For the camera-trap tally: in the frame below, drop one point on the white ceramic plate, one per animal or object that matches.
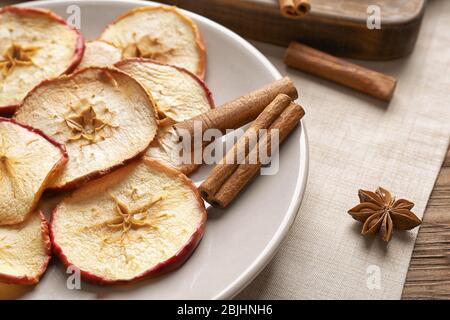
(240, 240)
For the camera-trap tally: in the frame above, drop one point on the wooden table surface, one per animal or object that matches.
(429, 272)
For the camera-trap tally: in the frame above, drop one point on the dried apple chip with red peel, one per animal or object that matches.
(167, 149)
(160, 33)
(99, 54)
(139, 221)
(25, 250)
(28, 161)
(35, 45)
(103, 116)
(179, 95)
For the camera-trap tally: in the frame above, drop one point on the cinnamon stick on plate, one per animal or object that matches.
(319, 63)
(230, 162)
(239, 112)
(229, 177)
(294, 8)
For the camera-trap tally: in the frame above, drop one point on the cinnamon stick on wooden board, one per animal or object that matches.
(294, 8)
(239, 112)
(227, 179)
(321, 64)
(229, 163)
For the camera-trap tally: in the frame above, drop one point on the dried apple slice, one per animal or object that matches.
(179, 94)
(104, 117)
(99, 54)
(167, 149)
(28, 160)
(159, 33)
(139, 221)
(25, 250)
(35, 44)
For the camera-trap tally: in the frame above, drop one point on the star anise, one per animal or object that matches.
(380, 212)
(16, 55)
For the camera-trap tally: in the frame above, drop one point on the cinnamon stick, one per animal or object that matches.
(239, 112)
(294, 8)
(321, 64)
(225, 182)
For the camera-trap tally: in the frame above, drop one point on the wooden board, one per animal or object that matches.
(335, 26)
(429, 272)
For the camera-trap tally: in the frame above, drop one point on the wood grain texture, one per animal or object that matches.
(338, 27)
(8, 2)
(329, 67)
(429, 272)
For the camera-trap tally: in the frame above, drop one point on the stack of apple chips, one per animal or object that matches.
(103, 131)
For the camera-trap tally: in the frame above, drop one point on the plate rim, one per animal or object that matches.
(271, 248)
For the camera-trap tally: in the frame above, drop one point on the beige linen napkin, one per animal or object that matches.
(358, 142)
